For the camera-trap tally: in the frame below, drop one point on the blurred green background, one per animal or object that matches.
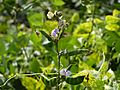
(92, 24)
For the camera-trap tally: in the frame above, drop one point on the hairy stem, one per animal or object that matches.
(58, 58)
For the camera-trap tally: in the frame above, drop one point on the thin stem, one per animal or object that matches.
(30, 74)
(7, 81)
(102, 62)
(58, 57)
(22, 74)
(25, 53)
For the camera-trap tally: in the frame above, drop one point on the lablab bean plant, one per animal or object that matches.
(63, 74)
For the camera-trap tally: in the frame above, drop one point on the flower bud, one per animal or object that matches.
(50, 15)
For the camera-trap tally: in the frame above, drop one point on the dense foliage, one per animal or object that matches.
(59, 45)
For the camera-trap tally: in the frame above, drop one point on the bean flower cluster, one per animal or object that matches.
(55, 34)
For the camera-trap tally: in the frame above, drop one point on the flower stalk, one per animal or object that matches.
(56, 34)
(58, 58)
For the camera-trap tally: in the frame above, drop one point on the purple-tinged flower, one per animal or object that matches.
(55, 32)
(65, 72)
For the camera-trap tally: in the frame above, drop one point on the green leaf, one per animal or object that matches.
(2, 69)
(98, 21)
(116, 12)
(35, 19)
(2, 47)
(34, 66)
(47, 69)
(34, 38)
(46, 35)
(12, 69)
(93, 59)
(22, 40)
(3, 28)
(75, 80)
(112, 27)
(74, 68)
(64, 61)
(50, 25)
(13, 48)
(117, 46)
(111, 19)
(68, 42)
(75, 17)
(83, 28)
(58, 2)
(32, 84)
(111, 38)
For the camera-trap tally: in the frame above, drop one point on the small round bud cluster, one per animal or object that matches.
(57, 33)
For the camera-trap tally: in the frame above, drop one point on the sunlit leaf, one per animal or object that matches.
(48, 68)
(112, 27)
(75, 17)
(83, 28)
(58, 2)
(50, 25)
(35, 19)
(34, 38)
(116, 13)
(32, 84)
(111, 19)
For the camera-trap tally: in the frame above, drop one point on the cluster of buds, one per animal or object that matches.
(61, 24)
(56, 15)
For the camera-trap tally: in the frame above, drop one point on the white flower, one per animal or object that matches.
(50, 15)
(65, 72)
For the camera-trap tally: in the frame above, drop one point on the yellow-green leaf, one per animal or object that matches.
(111, 19)
(83, 28)
(32, 84)
(58, 2)
(112, 27)
(116, 12)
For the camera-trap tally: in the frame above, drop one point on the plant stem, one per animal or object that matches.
(25, 53)
(58, 58)
(7, 81)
